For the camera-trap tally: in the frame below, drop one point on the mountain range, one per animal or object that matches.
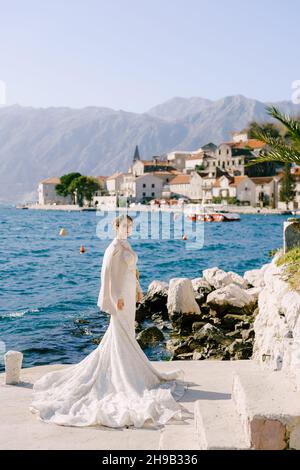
(36, 143)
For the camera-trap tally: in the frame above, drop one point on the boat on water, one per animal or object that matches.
(215, 217)
(209, 214)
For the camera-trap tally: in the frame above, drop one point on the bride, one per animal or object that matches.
(115, 385)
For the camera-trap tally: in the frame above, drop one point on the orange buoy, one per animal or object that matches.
(82, 249)
(63, 232)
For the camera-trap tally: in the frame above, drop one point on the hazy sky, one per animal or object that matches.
(134, 54)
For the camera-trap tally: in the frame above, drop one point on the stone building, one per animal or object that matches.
(266, 191)
(47, 193)
(240, 188)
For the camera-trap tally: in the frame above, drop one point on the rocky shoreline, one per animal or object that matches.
(211, 317)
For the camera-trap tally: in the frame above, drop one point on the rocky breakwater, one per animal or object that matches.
(209, 317)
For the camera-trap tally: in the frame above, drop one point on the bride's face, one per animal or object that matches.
(125, 228)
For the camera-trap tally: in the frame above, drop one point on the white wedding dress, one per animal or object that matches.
(116, 385)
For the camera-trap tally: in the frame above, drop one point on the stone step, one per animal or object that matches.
(269, 408)
(179, 437)
(218, 426)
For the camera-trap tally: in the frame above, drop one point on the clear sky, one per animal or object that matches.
(134, 54)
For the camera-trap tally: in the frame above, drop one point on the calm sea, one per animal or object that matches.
(46, 285)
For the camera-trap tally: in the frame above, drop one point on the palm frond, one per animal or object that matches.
(279, 148)
(284, 155)
(291, 124)
(268, 139)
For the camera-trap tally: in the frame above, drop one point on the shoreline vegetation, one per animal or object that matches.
(291, 265)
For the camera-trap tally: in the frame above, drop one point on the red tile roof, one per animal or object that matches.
(262, 179)
(253, 144)
(237, 180)
(114, 176)
(181, 179)
(51, 180)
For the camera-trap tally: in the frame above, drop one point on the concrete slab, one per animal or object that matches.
(219, 426)
(269, 406)
(20, 429)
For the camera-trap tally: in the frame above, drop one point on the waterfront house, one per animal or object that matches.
(234, 188)
(195, 187)
(146, 187)
(266, 191)
(47, 193)
(180, 185)
(114, 182)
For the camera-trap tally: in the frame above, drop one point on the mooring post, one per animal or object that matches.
(291, 234)
(13, 364)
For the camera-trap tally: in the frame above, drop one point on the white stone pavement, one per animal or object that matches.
(230, 404)
(20, 429)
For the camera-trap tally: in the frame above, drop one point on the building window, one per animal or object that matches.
(227, 151)
(144, 185)
(167, 180)
(144, 194)
(152, 194)
(153, 185)
(220, 152)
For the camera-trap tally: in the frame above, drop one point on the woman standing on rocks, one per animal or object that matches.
(116, 385)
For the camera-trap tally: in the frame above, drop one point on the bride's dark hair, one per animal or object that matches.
(120, 218)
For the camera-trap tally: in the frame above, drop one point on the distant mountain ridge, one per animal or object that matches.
(39, 142)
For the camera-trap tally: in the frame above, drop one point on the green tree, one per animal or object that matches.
(84, 187)
(287, 187)
(63, 188)
(268, 127)
(283, 148)
(199, 167)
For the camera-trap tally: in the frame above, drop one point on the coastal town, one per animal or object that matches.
(212, 174)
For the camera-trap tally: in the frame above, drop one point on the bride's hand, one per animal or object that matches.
(120, 304)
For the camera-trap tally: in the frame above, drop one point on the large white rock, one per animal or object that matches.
(200, 284)
(181, 296)
(277, 325)
(218, 278)
(231, 295)
(13, 363)
(157, 287)
(255, 277)
(254, 292)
